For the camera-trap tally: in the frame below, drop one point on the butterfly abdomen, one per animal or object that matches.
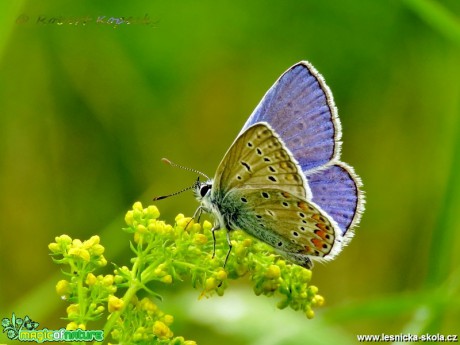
(237, 210)
(230, 210)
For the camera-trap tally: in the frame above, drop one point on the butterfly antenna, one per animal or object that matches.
(167, 161)
(175, 193)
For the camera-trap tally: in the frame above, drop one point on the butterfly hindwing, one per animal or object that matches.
(259, 159)
(336, 189)
(295, 227)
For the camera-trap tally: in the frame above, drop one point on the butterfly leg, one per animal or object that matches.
(199, 212)
(229, 247)
(215, 228)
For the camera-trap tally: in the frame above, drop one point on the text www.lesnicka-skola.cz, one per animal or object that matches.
(383, 338)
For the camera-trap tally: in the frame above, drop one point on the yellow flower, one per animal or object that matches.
(221, 274)
(196, 227)
(71, 326)
(147, 305)
(185, 222)
(167, 279)
(318, 300)
(179, 217)
(312, 290)
(54, 247)
(129, 217)
(73, 310)
(247, 242)
(138, 206)
(239, 249)
(273, 272)
(137, 213)
(80, 253)
(114, 303)
(159, 272)
(153, 211)
(305, 275)
(161, 330)
(210, 284)
(91, 242)
(64, 239)
(63, 288)
(137, 237)
(141, 229)
(200, 238)
(101, 262)
(76, 243)
(168, 319)
(207, 225)
(97, 249)
(107, 280)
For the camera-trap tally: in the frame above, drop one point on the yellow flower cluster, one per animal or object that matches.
(150, 324)
(168, 254)
(86, 251)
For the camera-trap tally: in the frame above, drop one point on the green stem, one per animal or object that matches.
(116, 315)
(82, 299)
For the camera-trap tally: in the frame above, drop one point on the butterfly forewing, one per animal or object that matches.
(301, 109)
(259, 159)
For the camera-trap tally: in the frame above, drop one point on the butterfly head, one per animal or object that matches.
(202, 190)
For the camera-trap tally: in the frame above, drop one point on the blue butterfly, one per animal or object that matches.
(282, 180)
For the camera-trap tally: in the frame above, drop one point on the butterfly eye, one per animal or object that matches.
(204, 190)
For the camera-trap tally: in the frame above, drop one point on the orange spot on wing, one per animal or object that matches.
(316, 217)
(317, 242)
(321, 233)
(306, 250)
(286, 194)
(322, 226)
(303, 206)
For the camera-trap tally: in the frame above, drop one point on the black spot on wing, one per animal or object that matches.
(247, 166)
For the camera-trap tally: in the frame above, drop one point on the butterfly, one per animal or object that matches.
(282, 181)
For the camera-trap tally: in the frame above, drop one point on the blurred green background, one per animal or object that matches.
(87, 111)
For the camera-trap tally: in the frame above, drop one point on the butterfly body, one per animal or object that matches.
(281, 180)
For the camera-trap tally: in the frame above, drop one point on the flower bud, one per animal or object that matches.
(114, 303)
(63, 288)
(153, 212)
(90, 279)
(138, 206)
(273, 272)
(129, 217)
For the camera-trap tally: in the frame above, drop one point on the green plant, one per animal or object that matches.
(169, 255)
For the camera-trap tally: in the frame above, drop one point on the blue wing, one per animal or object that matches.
(336, 189)
(300, 108)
